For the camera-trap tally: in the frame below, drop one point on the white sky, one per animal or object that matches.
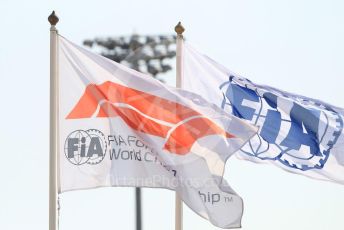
(293, 45)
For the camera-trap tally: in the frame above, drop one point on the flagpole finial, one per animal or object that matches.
(179, 29)
(53, 19)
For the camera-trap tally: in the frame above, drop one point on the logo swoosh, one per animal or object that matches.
(181, 126)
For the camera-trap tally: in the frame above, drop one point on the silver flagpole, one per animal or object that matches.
(138, 208)
(179, 30)
(53, 19)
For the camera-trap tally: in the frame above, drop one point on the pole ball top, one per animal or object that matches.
(53, 19)
(179, 28)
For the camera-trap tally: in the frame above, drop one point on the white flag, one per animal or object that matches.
(119, 127)
(299, 134)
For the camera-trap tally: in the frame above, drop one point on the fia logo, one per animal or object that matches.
(83, 147)
(296, 131)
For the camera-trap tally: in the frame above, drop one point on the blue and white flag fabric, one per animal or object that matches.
(299, 134)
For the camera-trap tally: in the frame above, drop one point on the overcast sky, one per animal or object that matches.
(295, 45)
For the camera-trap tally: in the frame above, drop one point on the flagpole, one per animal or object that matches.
(53, 20)
(179, 30)
(138, 205)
